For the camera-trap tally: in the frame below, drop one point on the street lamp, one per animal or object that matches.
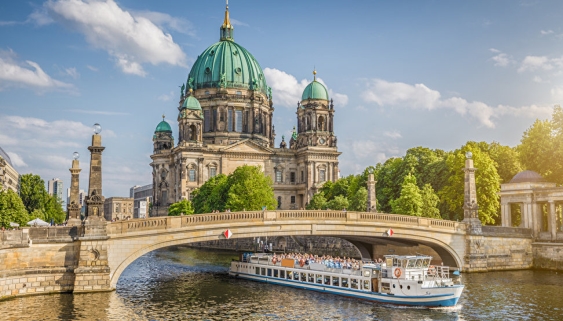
(75, 156)
(468, 155)
(97, 128)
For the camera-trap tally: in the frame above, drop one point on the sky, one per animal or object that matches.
(402, 74)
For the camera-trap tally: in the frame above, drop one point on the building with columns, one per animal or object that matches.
(538, 202)
(9, 177)
(225, 115)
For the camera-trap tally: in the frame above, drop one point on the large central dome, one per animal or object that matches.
(227, 64)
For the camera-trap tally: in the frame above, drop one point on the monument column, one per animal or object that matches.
(95, 200)
(372, 201)
(475, 258)
(73, 206)
(552, 221)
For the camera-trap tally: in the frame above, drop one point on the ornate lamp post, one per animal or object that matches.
(95, 200)
(372, 200)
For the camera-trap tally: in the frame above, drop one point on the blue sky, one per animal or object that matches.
(402, 74)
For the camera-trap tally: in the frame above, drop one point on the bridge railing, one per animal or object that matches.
(170, 222)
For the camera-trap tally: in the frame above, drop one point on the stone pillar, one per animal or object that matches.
(73, 208)
(506, 215)
(94, 200)
(552, 221)
(372, 201)
(470, 206)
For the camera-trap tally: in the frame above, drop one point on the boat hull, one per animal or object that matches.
(449, 296)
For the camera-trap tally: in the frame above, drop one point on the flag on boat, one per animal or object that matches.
(228, 234)
(389, 232)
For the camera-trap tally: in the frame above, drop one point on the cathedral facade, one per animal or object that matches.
(225, 117)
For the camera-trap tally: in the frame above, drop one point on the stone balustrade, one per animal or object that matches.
(173, 222)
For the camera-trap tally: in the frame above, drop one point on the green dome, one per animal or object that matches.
(191, 103)
(163, 127)
(315, 90)
(227, 64)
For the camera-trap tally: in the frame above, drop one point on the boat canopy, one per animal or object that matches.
(408, 261)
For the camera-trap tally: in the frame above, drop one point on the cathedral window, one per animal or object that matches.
(207, 92)
(292, 177)
(238, 121)
(321, 123)
(293, 200)
(278, 176)
(279, 202)
(321, 175)
(239, 93)
(302, 177)
(212, 172)
(191, 174)
(230, 120)
(207, 121)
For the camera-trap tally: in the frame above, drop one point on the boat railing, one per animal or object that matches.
(438, 272)
(267, 260)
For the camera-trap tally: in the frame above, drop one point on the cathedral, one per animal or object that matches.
(225, 117)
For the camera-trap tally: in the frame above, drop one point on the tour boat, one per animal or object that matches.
(408, 280)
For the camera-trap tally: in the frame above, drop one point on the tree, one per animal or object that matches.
(53, 209)
(359, 200)
(249, 189)
(182, 207)
(487, 183)
(12, 209)
(32, 192)
(506, 159)
(318, 202)
(410, 201)
(429, 202)
(338, 203)
(538, 151)
(212, 195)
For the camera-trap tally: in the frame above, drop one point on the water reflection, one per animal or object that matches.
(188, 284)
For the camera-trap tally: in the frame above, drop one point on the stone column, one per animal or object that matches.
(372, 201)
(552, 221)
(73, 208)
(470, 206)
(506, 215)
(95, 200)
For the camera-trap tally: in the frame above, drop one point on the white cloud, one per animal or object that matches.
(501, 59)
(236, 22)
(392, 134)
(16, 160)
(92, 68)
(546, 32)
(131, 40)
(287, 90)
(167, 97)
(26, 74)
(72, 72)
(532, 63)
(164, 20)
(557, 93)
(418, 96)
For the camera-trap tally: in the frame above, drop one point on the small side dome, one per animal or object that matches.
(315, 90)
(191, 103)
(163, 127)
(527, 177)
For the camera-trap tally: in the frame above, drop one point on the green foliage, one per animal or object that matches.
(12, 209)
(32, 192)
(540, 150)
(35, 197)
(338, 203)
(247, 188)
(410, 200)
(359, 200)
(487, 181)
(182, 207)
(429, 202)
(506, 159)
(318, 202)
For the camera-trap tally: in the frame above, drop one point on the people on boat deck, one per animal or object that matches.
(327, 260)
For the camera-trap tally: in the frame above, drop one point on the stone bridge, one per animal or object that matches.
(86, 259)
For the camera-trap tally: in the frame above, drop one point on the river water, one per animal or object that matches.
(190, 284)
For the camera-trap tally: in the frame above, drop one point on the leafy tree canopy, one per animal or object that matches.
(182, 207)
(12, 209)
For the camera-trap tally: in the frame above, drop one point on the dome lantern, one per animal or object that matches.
(163, 127)
(227, 29)
(315, 90)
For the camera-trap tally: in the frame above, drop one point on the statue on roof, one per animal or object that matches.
(182, 90)
(190, 83)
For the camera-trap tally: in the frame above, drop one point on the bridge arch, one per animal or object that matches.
(130, 240)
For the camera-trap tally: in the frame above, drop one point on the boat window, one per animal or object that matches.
(327, 280)
(275, 273)
(263, 271)
(335, 281)
(311, 278)
(354, 283)
(344, 283)
(257, 270)
(395, 262)
(367, 273)
(366, 285)
(393, 286)
(408, 287)
(404, 263)
(282, 274)
(304, 277)
(390, 261)
(411, 263)
(419, 263)
(319, 279)
(269, 272)
(426, 262)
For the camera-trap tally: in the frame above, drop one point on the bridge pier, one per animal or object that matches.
(93, 272)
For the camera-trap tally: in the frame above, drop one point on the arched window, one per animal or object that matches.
(193, 132)
(307, 122)
(279, 202)
(322, 123)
